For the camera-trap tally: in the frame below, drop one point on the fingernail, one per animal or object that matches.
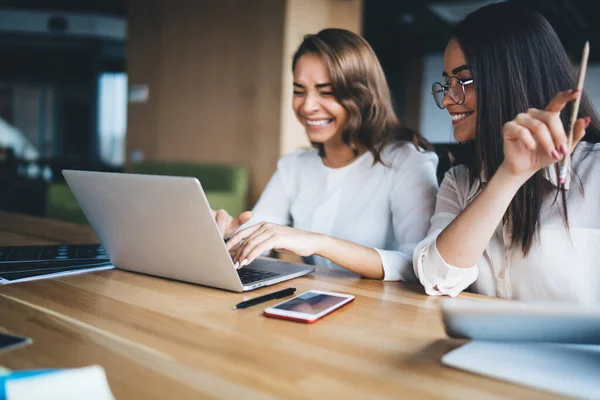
(555, 155)
(236, 265)
(587, 121)
(244, 262)
(563, 149)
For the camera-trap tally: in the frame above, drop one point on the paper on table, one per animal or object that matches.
(69, 384)
(566, 369)
(6, 278)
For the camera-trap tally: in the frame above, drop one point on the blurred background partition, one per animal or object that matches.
(55, 57)
(203, 87)
(214, 79)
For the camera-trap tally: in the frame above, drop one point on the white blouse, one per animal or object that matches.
(383, 207)
(562, 265)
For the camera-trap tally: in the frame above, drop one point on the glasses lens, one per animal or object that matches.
(437, 90)
(456, 91)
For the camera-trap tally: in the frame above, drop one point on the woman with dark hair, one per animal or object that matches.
(362, 198)
(503, 223)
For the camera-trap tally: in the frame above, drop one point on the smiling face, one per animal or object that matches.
(464, 116)
(315, 106)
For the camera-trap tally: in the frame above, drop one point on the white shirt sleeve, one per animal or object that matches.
(412, 201)
(275, 201)
(437, 276)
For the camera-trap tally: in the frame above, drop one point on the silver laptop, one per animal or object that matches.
(163, 226)
(517, 321)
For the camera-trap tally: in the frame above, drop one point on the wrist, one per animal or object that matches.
(512, 177)
(319, 244)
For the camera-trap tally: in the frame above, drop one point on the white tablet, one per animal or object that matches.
(517, 321)
(309, 306)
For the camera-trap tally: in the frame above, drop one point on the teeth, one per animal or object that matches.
(319, 122)
(456, 117)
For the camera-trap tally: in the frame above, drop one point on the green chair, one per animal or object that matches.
(225, 186)
(62, 205)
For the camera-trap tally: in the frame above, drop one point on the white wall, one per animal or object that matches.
(112, 117)
(592, 84)
(435, 124)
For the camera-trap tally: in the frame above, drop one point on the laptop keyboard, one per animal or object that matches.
(249, 275)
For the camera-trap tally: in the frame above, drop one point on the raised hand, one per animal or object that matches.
(537, 138)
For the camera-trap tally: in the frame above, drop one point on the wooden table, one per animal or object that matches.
(161, 339)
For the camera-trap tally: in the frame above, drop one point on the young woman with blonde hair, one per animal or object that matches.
(362, 198)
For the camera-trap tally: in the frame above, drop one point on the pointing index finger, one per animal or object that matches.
(561, 99)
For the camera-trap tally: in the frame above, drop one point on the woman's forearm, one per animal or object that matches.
(463, 242)
(362, 260)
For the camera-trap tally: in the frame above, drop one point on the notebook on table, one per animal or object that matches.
(24, 263)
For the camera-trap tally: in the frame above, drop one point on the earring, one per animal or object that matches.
(349, 143)
(354, 149)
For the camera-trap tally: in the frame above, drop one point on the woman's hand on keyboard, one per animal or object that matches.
(251, 242)
(229, 225)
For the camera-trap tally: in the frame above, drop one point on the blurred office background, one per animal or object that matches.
(203, 87)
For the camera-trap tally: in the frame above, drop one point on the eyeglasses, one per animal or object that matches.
(455, 86)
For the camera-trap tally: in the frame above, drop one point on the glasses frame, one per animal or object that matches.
(446, 88)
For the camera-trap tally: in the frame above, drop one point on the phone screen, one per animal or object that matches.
(311, 303)
(7, 341)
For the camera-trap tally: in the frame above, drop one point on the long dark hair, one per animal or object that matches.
(517, 62)
(360, 86)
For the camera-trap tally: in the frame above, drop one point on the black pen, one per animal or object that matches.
(262, 299)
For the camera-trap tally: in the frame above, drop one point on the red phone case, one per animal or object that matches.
(305, 320)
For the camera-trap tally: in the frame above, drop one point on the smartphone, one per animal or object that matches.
(309, 306)
(8, 342)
